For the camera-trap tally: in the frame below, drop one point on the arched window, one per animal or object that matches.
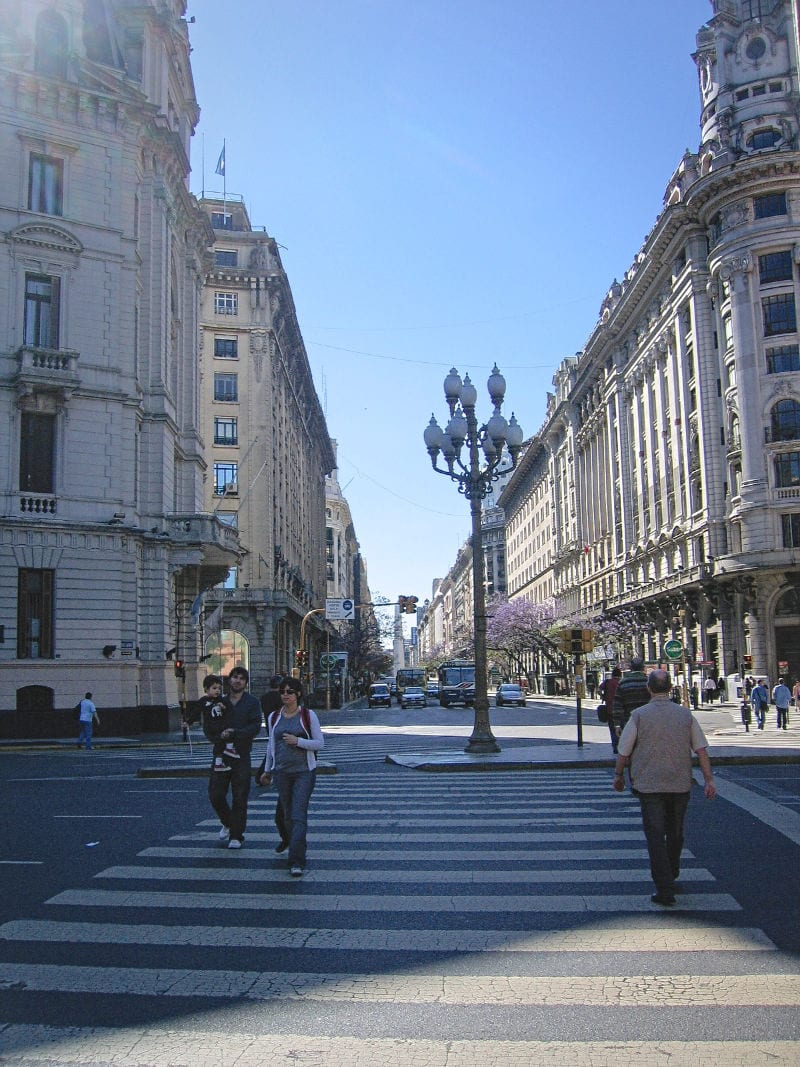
(226, 650)
(50, 57)
(785, 418)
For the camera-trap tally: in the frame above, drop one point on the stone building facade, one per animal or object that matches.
(104, 539)
(267, 448)
(665, 479)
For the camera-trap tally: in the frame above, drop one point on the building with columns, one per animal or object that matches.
(665, 479)
(268, 453)
(105, 536)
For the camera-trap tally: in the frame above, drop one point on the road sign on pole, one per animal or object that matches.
(673, 649)
(339, 610)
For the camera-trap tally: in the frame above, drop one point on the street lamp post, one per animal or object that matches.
(475, 474)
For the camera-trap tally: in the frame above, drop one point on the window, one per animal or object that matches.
(36, 452)
(226, 348)
(787, 470)
(221, 220)
(35, 614)
(782, 359)
(224, 257)
(226, 303)
(52, 45)
(45, 185)
(226, 387)
(770, 204)
(775, 267)
(228, 518)
(779, 314)
(764, 139)
(785, 418)
(41, 311)
(225, 474)
(226, 431)
(791, 530)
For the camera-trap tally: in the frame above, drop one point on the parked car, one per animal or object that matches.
(509, 694)
(432, 690)
(379, 696)
(413, 697)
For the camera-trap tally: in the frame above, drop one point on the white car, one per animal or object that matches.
(509, 694)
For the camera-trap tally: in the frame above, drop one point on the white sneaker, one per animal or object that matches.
(234, 843)
(224, 833)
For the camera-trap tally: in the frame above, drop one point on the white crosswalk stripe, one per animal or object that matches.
(461, 895)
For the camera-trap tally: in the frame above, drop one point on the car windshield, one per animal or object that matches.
(413, 691)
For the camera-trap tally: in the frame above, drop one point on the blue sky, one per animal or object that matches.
(453, 183)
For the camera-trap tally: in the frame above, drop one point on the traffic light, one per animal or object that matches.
(180, 669)
(575, 642)
(407, 605)
(401, 604)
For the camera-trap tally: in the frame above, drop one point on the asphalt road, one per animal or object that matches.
(444, 919)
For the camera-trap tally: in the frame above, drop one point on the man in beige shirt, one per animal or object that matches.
(657, 745)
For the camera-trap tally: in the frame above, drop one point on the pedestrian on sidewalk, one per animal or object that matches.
(608, 689)
(709, 691)
(656, 746)
(245, 723)
(631, 693)
(781, 695)
(759, 698)
(295, 737)
(87, 717)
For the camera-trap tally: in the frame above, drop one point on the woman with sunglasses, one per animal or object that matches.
(295, 737)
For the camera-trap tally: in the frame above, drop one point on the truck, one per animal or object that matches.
(456, 682)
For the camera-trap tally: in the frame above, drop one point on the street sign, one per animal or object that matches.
(673, 649)
(339, 610)
(326, 660)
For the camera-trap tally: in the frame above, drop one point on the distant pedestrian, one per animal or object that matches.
(759, 699)
(295, 737)
(87, 717)
(695, 695)
(781, 695)
(722, 689)
(608, 689)
(245, 724)
(631, 693)
(709, 691)
(657, 746)
(748, 686)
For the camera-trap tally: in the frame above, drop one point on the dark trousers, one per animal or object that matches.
(295, 789)
(233, 815)
(662, 819)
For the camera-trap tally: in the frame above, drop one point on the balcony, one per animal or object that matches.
(220, 543)
(37, 504)
(48, 370)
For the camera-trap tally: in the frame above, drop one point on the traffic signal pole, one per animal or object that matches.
(578, 696)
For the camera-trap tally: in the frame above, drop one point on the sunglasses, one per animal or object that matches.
(282, 691)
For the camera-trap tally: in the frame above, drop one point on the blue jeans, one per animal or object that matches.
(86, 734)
(295, 789)
(662, 819)
(233, 815)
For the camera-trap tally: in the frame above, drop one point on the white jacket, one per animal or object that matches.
(312, 744)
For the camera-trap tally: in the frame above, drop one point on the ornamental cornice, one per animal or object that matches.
(733, 266)
(46, 235)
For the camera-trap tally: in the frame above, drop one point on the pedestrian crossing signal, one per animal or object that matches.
(575, 642)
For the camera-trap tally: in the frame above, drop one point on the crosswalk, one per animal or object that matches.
(448, 920)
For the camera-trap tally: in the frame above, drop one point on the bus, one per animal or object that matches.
(409, 676)
(456, 682)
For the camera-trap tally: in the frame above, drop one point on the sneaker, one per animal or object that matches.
(296, 872)
(666, 900)
(231, 752)
(224, 833)
(221, 767)
(234, 843)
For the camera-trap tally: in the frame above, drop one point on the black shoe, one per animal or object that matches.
(281, 846)
(666, 900)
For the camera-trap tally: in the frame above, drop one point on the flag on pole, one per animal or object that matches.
(197, 607)
(220, 168)
(213, 621)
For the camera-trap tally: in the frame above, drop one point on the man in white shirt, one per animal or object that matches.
(781, 698)
(87, 717)
(657, 744)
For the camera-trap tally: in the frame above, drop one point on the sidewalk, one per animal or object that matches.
(729, 743)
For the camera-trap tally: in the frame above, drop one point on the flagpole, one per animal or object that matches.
(224, 177)
(203, 167)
